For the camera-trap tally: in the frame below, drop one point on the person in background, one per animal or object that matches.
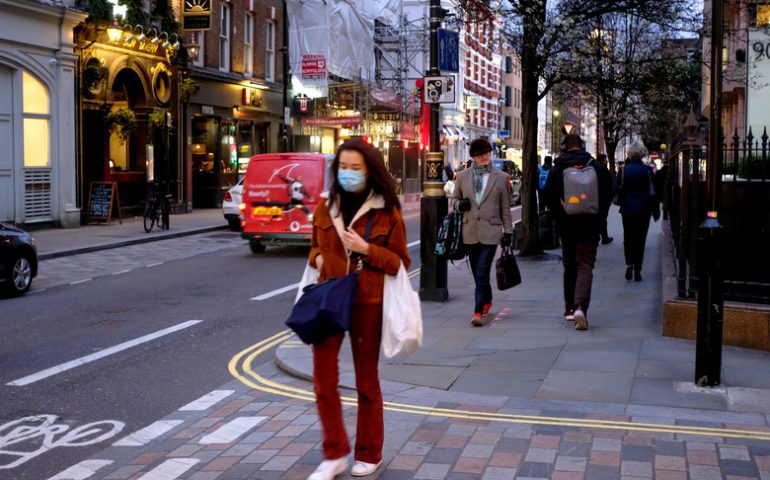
(661, 186)
(544, 170)
(606, 239)
(482, 194)
(449, 186)
(361, 187)
(579, 234)
(638, 202)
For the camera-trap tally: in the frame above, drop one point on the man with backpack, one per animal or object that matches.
(579, 193)
(543, 171)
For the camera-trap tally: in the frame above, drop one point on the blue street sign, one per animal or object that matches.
(505, 133)
(448, 51)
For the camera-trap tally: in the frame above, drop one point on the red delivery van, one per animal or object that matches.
(280, 194)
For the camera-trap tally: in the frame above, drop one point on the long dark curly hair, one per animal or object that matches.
(378, 178)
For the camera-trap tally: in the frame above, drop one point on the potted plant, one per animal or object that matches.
(93, 74)
(155, 122)
(187, 89)
(121, 122)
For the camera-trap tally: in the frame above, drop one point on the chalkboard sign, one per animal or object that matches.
(101, 197)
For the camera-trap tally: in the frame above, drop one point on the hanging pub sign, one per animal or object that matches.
(196, 15)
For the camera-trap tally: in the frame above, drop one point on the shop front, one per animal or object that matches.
(37, 114)
(127, 134)
(228, 124)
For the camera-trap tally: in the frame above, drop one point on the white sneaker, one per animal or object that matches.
(581, 323)
(328, 469)
(362, 469)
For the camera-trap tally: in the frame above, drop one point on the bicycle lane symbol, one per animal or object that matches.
(26, 438)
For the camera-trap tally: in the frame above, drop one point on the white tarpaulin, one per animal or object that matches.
(342, 30)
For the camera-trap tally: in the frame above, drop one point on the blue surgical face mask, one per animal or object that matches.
(351, 180)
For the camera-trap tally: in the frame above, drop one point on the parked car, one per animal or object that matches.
(231, 203)
(509, 167)
(18, 259)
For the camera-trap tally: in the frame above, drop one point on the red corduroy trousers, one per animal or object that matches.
(365, 336)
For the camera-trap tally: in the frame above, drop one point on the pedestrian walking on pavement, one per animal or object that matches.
(361, 187)
(543, 171)
(638, 202)
(606, 239)
(482, 194)
(579, 232)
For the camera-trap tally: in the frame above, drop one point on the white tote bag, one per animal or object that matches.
(309, 276)
(401, 315)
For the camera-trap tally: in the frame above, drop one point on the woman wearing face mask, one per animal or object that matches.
(362, 187)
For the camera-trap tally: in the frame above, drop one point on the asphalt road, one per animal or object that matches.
(86, 405)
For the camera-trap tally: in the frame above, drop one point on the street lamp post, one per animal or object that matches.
(433, 205)
(708, 343)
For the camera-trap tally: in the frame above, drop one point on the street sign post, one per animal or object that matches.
(440, 89)
(448, 51)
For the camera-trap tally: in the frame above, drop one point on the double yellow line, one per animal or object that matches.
(240, 368)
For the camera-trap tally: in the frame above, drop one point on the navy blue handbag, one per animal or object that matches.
(324, 309)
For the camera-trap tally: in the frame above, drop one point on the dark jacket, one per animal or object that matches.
(578, 226)
(634, 184)
(387, 247)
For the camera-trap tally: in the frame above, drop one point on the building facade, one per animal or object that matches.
(37, 113)
(235, 104)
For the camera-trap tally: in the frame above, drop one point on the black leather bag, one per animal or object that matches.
(507, 270)
(324, 309)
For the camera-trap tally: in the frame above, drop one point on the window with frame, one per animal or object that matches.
(224, 37)
(248, 44)
(199, 38)
(270, 50)
(36, 104)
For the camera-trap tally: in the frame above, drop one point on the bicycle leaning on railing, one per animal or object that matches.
(156, 210)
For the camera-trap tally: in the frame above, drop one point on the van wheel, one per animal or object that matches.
(256, 246)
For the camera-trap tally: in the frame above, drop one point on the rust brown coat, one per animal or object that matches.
(387, 246)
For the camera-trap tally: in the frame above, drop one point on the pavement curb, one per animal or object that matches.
(125, 243)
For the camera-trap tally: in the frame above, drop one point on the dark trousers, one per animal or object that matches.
(635, 227)
(578, 256)
(365, 336)
(481, 257)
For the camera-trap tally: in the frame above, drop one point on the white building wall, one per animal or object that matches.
(37, 37)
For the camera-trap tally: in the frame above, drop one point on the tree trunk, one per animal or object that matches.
(533, 32)
(611, 148)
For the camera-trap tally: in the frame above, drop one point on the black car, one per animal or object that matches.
(18, 259)
(509, 167)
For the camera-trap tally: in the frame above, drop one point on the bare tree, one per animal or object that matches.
(545, 34)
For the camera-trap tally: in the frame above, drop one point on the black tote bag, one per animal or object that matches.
(507, 270)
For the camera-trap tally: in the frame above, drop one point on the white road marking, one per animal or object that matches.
(285, 289)
(81, 281)
(122, 271)
(147, 434)
(154, 264)
(82, 470)
(232, 430)
(207, 400)
(414, 273)
(170, 469)
(412, 244)
(98, 355)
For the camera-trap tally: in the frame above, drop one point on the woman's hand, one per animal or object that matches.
(319, 262)
(353, 241)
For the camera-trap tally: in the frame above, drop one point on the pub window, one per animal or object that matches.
(37, 122)
(199, 38)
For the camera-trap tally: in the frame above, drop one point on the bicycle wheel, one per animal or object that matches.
(149, 216)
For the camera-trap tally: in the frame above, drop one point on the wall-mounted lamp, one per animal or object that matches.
(114, 32)
(568, 127)
(141, 36)
(153, 32)
(164, 36)
(193, 49)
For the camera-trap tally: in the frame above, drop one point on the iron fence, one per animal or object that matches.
(744, 213)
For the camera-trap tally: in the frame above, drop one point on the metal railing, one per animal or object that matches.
(744, 213)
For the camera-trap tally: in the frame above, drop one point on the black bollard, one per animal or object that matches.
(708, 343)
